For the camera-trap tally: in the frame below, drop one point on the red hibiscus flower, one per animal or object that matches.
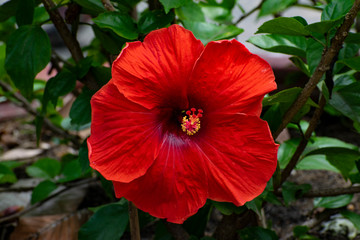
(179, 123)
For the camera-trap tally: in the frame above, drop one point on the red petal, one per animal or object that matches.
(124, 139)
(227, 77)
(155, 72)
(174, 187)
(241, 157)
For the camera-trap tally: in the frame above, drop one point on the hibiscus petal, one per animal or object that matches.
(154, 73)
(227, 77)
(240, 157)
(174, 187)
(125, 136)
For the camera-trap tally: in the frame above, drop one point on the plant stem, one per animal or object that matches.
(134, 222)
(250, 12)
(70, 41)
(328, 192)
(38, 204)
(108, 6)
(324, 65)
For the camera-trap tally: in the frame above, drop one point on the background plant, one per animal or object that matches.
(325, 51)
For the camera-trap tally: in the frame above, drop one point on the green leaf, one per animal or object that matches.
(347, 101)
(6, 174)
(316, 162)
(25, 12)
(228, 4)
(353, 217)
(300, 230)
(161, 232)
(284, 25)
(102, 74)
(83, 67)
(342, 158)
(156, 19)
(60, 85)
(42, 191)
(94, 6)
(255, 205)
(110, 41)
(336, 9)
(283, 101)
(257, 233)
(196, 224)
(292, 191)
(323, 26)
(2, 60)
(217, 13)
(80, 112)
(348, 51)
(169, 4)
(318, 143)
(44, 168)
(84, 157)
(6, 29)
(227, 208)
(353, 63)
(292, 45)
(8, 9)
(274, 6)
(40, 15)
(190, 11)
(272, 116)
(332, 202)
(71, 171)
(314, 52)
(298, 62)
(353, 38)
(120, 23)
(286, 150)
(109, 222)
(207, 32)
(12, 164)
(285, 96)
(28, 51)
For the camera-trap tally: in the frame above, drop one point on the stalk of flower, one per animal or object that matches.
(179, 123)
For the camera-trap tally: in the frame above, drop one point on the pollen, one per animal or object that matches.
(191, 123)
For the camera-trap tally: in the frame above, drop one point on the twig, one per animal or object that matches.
(70, 41)
(134, 222)
(27, 106)
(328, 192)
(108, 6)
(250, 12)
(326, 59)
(17, 189)
(31, 207)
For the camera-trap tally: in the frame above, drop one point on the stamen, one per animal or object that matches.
(191, 123)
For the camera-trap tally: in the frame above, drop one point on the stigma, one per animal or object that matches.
(191, 123)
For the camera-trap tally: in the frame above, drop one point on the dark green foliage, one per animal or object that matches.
(109, 222)
(27, 53)
(42, 191)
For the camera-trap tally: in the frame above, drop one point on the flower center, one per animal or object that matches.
(191, 123)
